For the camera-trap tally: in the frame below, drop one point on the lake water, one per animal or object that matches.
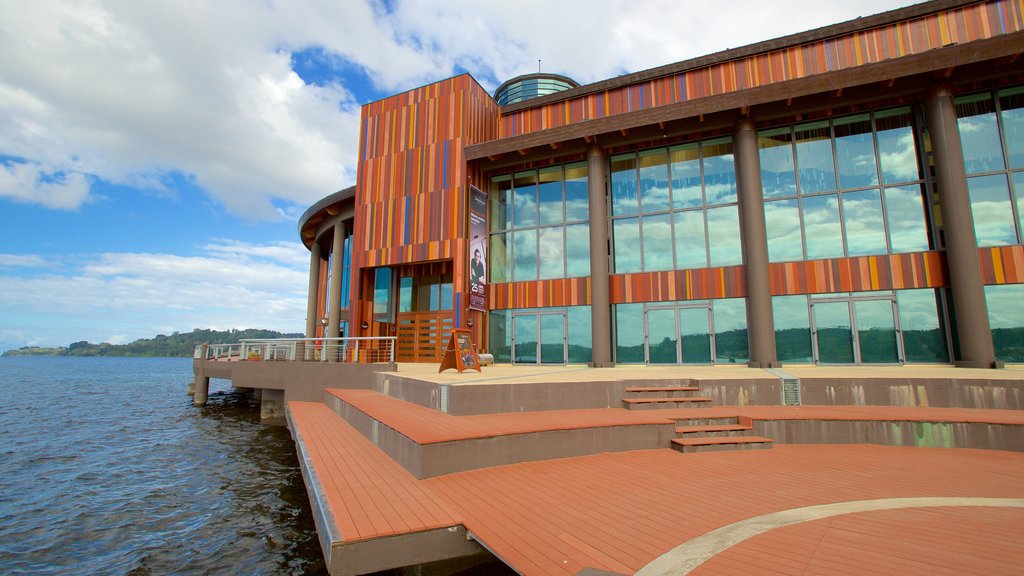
(107, 468)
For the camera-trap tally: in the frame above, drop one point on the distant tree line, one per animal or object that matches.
(177, 345)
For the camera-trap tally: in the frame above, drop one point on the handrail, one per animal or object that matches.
(361, 349)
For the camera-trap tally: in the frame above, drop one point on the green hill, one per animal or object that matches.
(179, 345)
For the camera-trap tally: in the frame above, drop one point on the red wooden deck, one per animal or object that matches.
(619, 511)
(369, 494)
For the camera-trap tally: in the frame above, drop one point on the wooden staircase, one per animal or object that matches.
(710, 434)
(653, 397)
(697, 434)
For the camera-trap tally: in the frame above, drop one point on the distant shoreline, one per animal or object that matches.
(177, 345)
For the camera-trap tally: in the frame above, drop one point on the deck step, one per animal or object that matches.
(715, 430)
(706, 444)
(675, 402)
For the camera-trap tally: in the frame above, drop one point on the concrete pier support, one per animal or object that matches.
(200, 390)
(760, 323)
(973, 333)
(334, 290)
(600, 309)
(272, 407)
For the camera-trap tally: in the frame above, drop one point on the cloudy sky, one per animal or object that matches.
(154, 155)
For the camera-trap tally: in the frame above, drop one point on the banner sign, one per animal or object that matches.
(477, 249)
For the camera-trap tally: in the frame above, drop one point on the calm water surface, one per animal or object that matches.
(106, 468)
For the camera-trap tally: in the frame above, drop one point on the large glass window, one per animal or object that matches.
(848, 186)
(539, 224)
(992, 138)
(686, 198)
(924, 340)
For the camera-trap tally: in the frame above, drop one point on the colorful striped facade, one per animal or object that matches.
(420, 151)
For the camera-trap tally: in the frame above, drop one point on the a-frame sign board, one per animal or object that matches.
(460, 353)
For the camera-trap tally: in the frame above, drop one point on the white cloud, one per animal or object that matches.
(127, 296)
(22, 260)
(127, 92)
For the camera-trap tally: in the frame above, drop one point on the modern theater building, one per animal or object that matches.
(852, 195)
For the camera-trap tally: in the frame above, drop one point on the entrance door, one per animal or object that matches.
(539, 337)
(678, 335)
(856, 330)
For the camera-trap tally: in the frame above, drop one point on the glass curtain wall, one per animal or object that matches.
(675, 208)
(846, 186)
(539, 222)
(992, 137)
(1006, 317)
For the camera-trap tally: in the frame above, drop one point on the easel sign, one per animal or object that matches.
(460, 353)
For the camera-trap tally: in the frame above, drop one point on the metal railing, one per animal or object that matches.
(364, 350)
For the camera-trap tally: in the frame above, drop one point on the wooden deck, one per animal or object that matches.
(618, 512)
(360, 495)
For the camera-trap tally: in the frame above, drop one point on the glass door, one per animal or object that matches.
(695, 335)
(539, 337)
(678, 335)
(833, 332)
(876, 332)
(662, 336)
(524, 339)
(856, 330)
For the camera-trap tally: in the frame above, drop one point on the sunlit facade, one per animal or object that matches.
(849, 195)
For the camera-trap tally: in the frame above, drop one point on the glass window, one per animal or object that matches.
(855, 152)
(814, 157)
(1006, 317)
(897, 151)
(979, 134)
(549, 193)
(907, 228)
(580, 335)
(657, 243)
(1018, 187)
(524, 252)
(501, 202)
(405, 294)
(382, 295)
(653, 181)
(446, 293)
(792, 328)
(782, 224)
(577, 250)
(776, 155)
(1011, 102)
(624, 194)
(577, 198)
(498, 255)
(991, 209)
(629, 333)
(524, 209)
(923, 337)
(865, 229)
(821, 226)
(626, 233)
(690, 249)
(719, 172)
(724, 246)
(551, 252)
(731, 331)
(685, 167)
(499, 336)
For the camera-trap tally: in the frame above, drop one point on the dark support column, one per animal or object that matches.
(973, 332)
(314, 281)
(334, 313)
(600, 310)
(760, 325)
